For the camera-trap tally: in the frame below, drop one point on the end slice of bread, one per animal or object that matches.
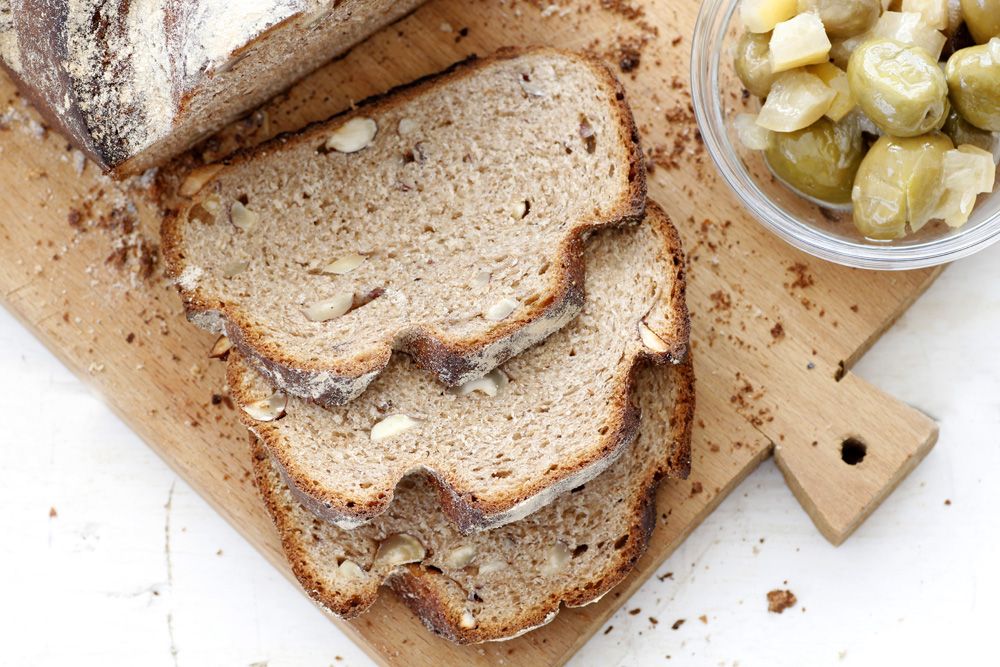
(497, 584)
(502, 446)
(445, 220)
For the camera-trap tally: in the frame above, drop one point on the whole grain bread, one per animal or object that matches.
(503, 446)
(132, 84)
(497, 584)
(445, 220)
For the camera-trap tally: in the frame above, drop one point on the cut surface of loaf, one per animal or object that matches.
(501, 583)
(445, 220)
(134, 83)
(505, 445)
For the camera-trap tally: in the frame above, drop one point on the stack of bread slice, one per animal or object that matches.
(459, 339)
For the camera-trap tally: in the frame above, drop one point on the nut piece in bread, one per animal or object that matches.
(489, 384)
(198, 178)
(392, 426)
(267, 409)
(398, 549)
(242, 217)
(220, 349)
(328, 309)
(344, 264)
(353, 136)
(501, 310)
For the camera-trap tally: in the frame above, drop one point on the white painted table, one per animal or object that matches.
(107, 558)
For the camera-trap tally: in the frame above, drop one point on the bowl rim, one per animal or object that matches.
(707, 100)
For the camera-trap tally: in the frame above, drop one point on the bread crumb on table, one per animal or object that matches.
(779, 600)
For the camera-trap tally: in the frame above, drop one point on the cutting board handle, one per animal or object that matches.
(864, 442)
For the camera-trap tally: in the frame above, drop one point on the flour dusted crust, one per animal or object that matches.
(565, 415)
(467, 349)
(134, 82)
(505, 590)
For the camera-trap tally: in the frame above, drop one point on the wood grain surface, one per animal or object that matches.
(775, 331)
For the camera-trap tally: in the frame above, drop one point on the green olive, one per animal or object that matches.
(753, 63)
(899, 182)
(900, 87)
(962, 132)
(974, 82)
(982, 17)
(819, 161)
(844, 18)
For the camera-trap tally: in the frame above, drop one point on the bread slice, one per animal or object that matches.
(132, 84)
(548, 420)
(497, 584)
(453, 234)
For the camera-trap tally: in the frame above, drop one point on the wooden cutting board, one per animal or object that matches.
(775, 331)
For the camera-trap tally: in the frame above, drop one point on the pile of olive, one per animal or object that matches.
(894, 112)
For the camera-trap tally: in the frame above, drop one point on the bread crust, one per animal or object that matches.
(453, 360)
(424, 590)
(55, 86)
(48, 51)
(467, 510)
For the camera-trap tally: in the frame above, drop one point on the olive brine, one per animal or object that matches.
(894, 112)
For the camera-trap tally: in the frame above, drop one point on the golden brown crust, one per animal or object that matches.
(446, 356)
(424, 590)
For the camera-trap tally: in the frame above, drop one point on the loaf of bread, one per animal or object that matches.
(498, 448)
(134, 82)
(445, 220)
(500, 583)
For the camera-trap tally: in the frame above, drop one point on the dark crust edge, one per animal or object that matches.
(142, 161)
(416, 585)
(430, 349)
(40, 104)
(343, 606)
(120, 167)
(459, 504)
(48, 51)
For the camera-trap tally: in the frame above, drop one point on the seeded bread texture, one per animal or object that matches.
(133, 83)
(560, 415)
(468, 209)
(497, 584)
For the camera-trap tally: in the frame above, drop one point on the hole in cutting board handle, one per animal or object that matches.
(852, 451)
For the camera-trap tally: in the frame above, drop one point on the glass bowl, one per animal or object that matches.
(828, 233)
